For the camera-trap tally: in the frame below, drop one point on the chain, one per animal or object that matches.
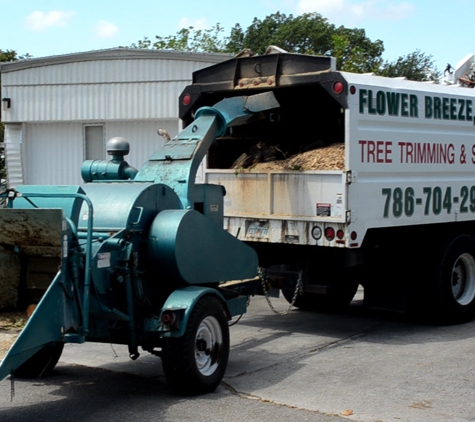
(298, 289)
(12, 387)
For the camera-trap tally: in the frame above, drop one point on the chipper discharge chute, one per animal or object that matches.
(132, 257)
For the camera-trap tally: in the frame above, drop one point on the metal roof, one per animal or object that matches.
(122, 53)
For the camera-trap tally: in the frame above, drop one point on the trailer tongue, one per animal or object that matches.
(133, 257)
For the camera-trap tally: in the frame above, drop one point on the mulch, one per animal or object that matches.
(331, 157)
(11, 324)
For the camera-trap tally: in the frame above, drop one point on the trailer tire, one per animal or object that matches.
(42, 363)
(196, 362)
(455, 288)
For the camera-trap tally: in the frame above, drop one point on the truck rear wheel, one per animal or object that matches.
(42, 363)
(455, 294)
(196, 362)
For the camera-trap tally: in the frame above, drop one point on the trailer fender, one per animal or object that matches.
(182, 301)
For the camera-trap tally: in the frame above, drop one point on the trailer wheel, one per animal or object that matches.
(196, 362)
(455, 293)
(42, 363)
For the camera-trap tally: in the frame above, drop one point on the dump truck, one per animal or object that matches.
(133, 257)
(355, 180)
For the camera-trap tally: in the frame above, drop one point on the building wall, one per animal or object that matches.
(97, 90)
(129, 93)
(53, 153)
(14, 154)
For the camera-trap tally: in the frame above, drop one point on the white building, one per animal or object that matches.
(61, 110)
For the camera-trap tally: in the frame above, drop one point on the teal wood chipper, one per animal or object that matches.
(136, 257)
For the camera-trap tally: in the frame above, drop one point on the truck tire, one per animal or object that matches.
(455, 288)
(42, 363)
(338, 297)
(196, 362)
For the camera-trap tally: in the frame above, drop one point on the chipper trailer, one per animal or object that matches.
(135, 257)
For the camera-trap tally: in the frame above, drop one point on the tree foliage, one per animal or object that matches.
(415, 66)
(309, 33)
(188, 39)
(355, 52)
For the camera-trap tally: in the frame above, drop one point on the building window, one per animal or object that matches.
(94, 148)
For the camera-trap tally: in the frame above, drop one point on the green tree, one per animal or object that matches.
(260, 34)
(235, 41)
(188, 39)
(415, 66)
(8, 55)
(309, 33)
(355, 52)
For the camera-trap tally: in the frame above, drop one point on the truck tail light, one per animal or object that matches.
(329, 233)
(168, 318)
(338, 87)
(340, 234)
(186, 100)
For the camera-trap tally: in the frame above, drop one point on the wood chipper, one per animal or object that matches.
(136, 257)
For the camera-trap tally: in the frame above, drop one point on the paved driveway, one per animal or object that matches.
(367, 365)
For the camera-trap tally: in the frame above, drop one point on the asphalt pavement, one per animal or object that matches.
(361, 365)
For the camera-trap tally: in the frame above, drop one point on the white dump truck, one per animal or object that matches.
(354, 180)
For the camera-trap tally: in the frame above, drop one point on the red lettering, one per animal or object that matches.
(380, 151)
(371, 148)
(401, 151)
(376, 151)
(451, 154)
(388, 151)
(409, 150)
(428, 153)
(363, 143)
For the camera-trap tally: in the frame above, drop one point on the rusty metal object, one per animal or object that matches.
(30, 227)
(9, 279)
(29, 233)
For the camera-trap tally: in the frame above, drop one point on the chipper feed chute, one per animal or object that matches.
(39, 240)
(133, 257)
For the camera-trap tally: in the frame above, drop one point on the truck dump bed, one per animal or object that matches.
(285, 172)
(405, 151)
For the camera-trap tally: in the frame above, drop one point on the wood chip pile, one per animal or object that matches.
(6, 341)
(331, 157)
(11, 323)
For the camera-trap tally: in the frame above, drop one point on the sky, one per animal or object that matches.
(54, 27)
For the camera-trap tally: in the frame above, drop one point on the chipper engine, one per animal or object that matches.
(136, 257)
